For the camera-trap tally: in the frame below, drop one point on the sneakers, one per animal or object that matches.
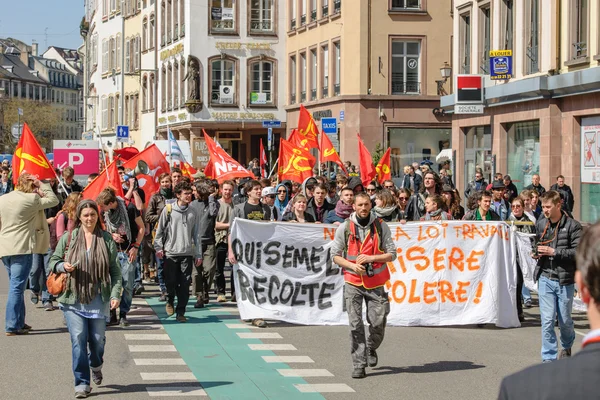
(163, 297)
(358, 373)
(181, 318)
(564, 353)
(35, 298)
(97, 377)
(527, 304)
(233, 299)
(48, 306)
(206, 298)
(18, 332)
(199, 303)
(259, 322)
(82, 394)
(372, 358)
(123, 323)
(169, 308)
(27, 327)
(113, 318)
(138, 290)
(221, 298)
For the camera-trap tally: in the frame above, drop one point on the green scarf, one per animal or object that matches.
(167, 193)
(488, 216)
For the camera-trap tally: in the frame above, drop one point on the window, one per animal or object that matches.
(118, 115)
(105, 9)
(95, 50)
(302, 77)
(338, 68)
(261, 82)
(324, 8)
(163, 18)
(223, 81)
(507, 25)
(145, 34)
(111, 112)
(163, 89)
(144, 93)
(104, 56)
(302, 12)
(113, 5)
(170, 87)
(136, 111)
(293, 79)
(293, 15)
(261, 16)
(406, 4)
(136, 61)
(181, 18)
(222, 15)
(127, 109)
(465, 43)
(325, 71)
(182, 82)
(579, 28)
(112, 54)
(176, 81)
(152, 32)
(484, 40)
(169, 20)
(313, 10)
(175, 19)
(532, 36)
(337, 6)
(127, 56)
(523, 152)
(405, 67)
(151, 93)
(313, 74)
(117, 65)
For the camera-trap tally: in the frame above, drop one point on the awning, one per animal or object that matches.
(445, 155)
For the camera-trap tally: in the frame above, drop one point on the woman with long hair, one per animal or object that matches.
(434, 206)
(385, 206)
(89, 255)
(403, 197)
(66, 218)
(297, 213)
(452, 201)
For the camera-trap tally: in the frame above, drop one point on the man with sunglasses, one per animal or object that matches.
(557, 237)
(268, 198)
(389, 185)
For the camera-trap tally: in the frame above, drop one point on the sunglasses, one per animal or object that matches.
(403, 198)
(389, 187)
(281, 191)
(271, 196)
(515, 206)
(371, 190)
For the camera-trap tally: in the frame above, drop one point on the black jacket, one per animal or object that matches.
(540, 189)
(208, 209)
(573, 378)
(565, 243)
(311, 209)
(568, 199)
(472, 188)
(472, 215)
(415, 208)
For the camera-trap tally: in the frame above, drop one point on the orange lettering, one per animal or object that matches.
(457, 261)
(328, 233)
(438, 259)
(445, 289)
(421, 237)
(401, 259)
(400, 233)
(472, 261)
(433, 231)
(467, 232)
(461, 292)
(412, 298)
(395, 288)
(428, 295)
(411, 257)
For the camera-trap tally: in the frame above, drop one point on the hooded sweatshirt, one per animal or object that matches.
(177, 233)
(281, 205)
(208, 210)
(339, 242)
(354, 182)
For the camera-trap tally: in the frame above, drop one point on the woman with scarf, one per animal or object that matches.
(385, 206)
(282, 199)
(434, 207)
(298, 213)
(89, 256)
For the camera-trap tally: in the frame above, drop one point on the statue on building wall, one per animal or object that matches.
(193, 103)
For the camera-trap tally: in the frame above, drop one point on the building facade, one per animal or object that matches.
(220, 70)
(373, 66)
(543, 120)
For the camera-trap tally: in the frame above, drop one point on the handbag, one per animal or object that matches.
(56, 283)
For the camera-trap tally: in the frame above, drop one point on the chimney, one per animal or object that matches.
(34, 49)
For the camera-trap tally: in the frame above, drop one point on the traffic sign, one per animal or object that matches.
(269, 139)
(271, 124)
(342, 115)
(329, 125)
(122, 133)
(16, 131)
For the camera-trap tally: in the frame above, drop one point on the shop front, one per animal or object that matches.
(409, 145)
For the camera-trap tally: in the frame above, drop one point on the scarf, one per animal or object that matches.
(436, 215)
(363, 221)
(94, 264)
(343, 210)
(384, 211)
(117, 220)
(167, 193)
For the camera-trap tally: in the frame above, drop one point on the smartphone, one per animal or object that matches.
(75, 264)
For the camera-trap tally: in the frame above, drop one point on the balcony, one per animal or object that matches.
(401, 87)
(336, 89)
(303, 20)
(313, 94)
(325, 92)
(222, 25)
(293, 24)
(325, 11)
(313, 15)
(257, 25)
(337, 6)
(302, 97)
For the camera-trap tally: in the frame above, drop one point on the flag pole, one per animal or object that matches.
(272, 169)
(103, 153)
(169, 141)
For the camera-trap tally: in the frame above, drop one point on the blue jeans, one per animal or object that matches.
(83, 331)
(128, 274)
(555, 298)
(160, 271)
(38, 275)
(18, 268)
(526, 294)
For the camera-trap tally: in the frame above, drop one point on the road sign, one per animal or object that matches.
(16, 131)
(468, 109)
(122, 133)
(87, 135)
(329, 125)
(469, 89)
(501, 64)
(342, 115)
(269, 139)
(271, 124)
(20, 111)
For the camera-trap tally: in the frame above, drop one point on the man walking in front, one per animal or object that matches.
(362, 247)
(557, 238)
(177, 242)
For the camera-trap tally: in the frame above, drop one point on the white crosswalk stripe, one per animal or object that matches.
(259, 335)
(168, 376)
(323, 388)
(288, 359)
(159, 361)
(262, 346)
(303, 373)
(241, 326)
(174, 391)
(146, 336)
(151, 348)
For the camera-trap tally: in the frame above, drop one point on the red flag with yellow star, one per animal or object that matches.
(294, 164)
(383, 169)
(30, 158)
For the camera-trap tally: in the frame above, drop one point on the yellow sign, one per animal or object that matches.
(238, 46)
(500, 53)
(243, 115)
(171, 52)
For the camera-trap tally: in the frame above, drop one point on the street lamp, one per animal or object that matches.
(446, 72)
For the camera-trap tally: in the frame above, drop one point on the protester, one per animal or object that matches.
(511, 190)
(356, 185)
(89, 255)
(176, 176)
(125, 225)
(416, 203)
(403, 197)
(332, 194)
(434, 207)
(67, 217)
(282, 199)
(6, 185)
(68, 183)
(371, 190)
(535, 185)
(452, 202)
(268, 198)
(203, 274)
(526, 197)
(177, 242)
(565, 192)
(535, 204)
(573, 378)
(385, 206)
(91, 177)
(412, 180)
(318, 206)
(298, 213)
(497, 177)
(417, 170)
(221, 235)
(499, 204)
(155, 206)
(557, 238)
(254, 210)
(343, 208)
(23, 232)
(476, 185)
(483, 211)
(362, 247)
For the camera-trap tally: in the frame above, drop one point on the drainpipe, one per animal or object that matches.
(558, 35)
(369, 47)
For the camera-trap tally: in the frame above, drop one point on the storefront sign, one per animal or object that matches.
(469, 89)
(317, 115)
(200, 153)
(242, 116)
(238, 46)
(216, 13)
(501, 64)
(177, 49)
(81, 155)
(590, 150)
(258, 98)
(468, 109)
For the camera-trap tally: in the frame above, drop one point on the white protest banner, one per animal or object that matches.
(449, 273)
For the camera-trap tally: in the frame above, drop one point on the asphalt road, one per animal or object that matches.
(414, 363)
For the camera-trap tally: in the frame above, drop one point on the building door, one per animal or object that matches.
(478, 152)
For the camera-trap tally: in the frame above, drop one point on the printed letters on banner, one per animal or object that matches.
(450, 273)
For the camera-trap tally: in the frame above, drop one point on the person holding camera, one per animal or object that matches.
(362, 247)
(557, 238)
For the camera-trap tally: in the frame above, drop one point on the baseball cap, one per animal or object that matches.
(269, 190)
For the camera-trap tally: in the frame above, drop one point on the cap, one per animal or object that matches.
(447, 189)
(199, 175)
(269, 190)
(498, 185)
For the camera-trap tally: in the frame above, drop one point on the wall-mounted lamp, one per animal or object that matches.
(446, 72)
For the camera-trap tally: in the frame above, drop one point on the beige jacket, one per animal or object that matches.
(23, 226)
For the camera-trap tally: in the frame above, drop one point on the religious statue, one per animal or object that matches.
(193, 103)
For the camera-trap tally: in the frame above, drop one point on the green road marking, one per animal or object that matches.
(222, 362)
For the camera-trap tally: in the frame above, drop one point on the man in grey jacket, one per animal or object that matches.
(178, 244)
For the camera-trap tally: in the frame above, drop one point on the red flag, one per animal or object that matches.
(108, 178)
(209, 170)
(188, 170)
(223, 166)
(383, 168)
(157, 165)
(307, 129)
(328, 152)
(126, 153)
(30, 158)
(263, 160)
(297, 141)
(367, 169)
(294, 164)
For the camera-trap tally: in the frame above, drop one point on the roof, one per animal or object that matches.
(20, 70)
(67, 54)
(53, 64)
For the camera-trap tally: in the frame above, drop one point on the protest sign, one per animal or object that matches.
(448, 273)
